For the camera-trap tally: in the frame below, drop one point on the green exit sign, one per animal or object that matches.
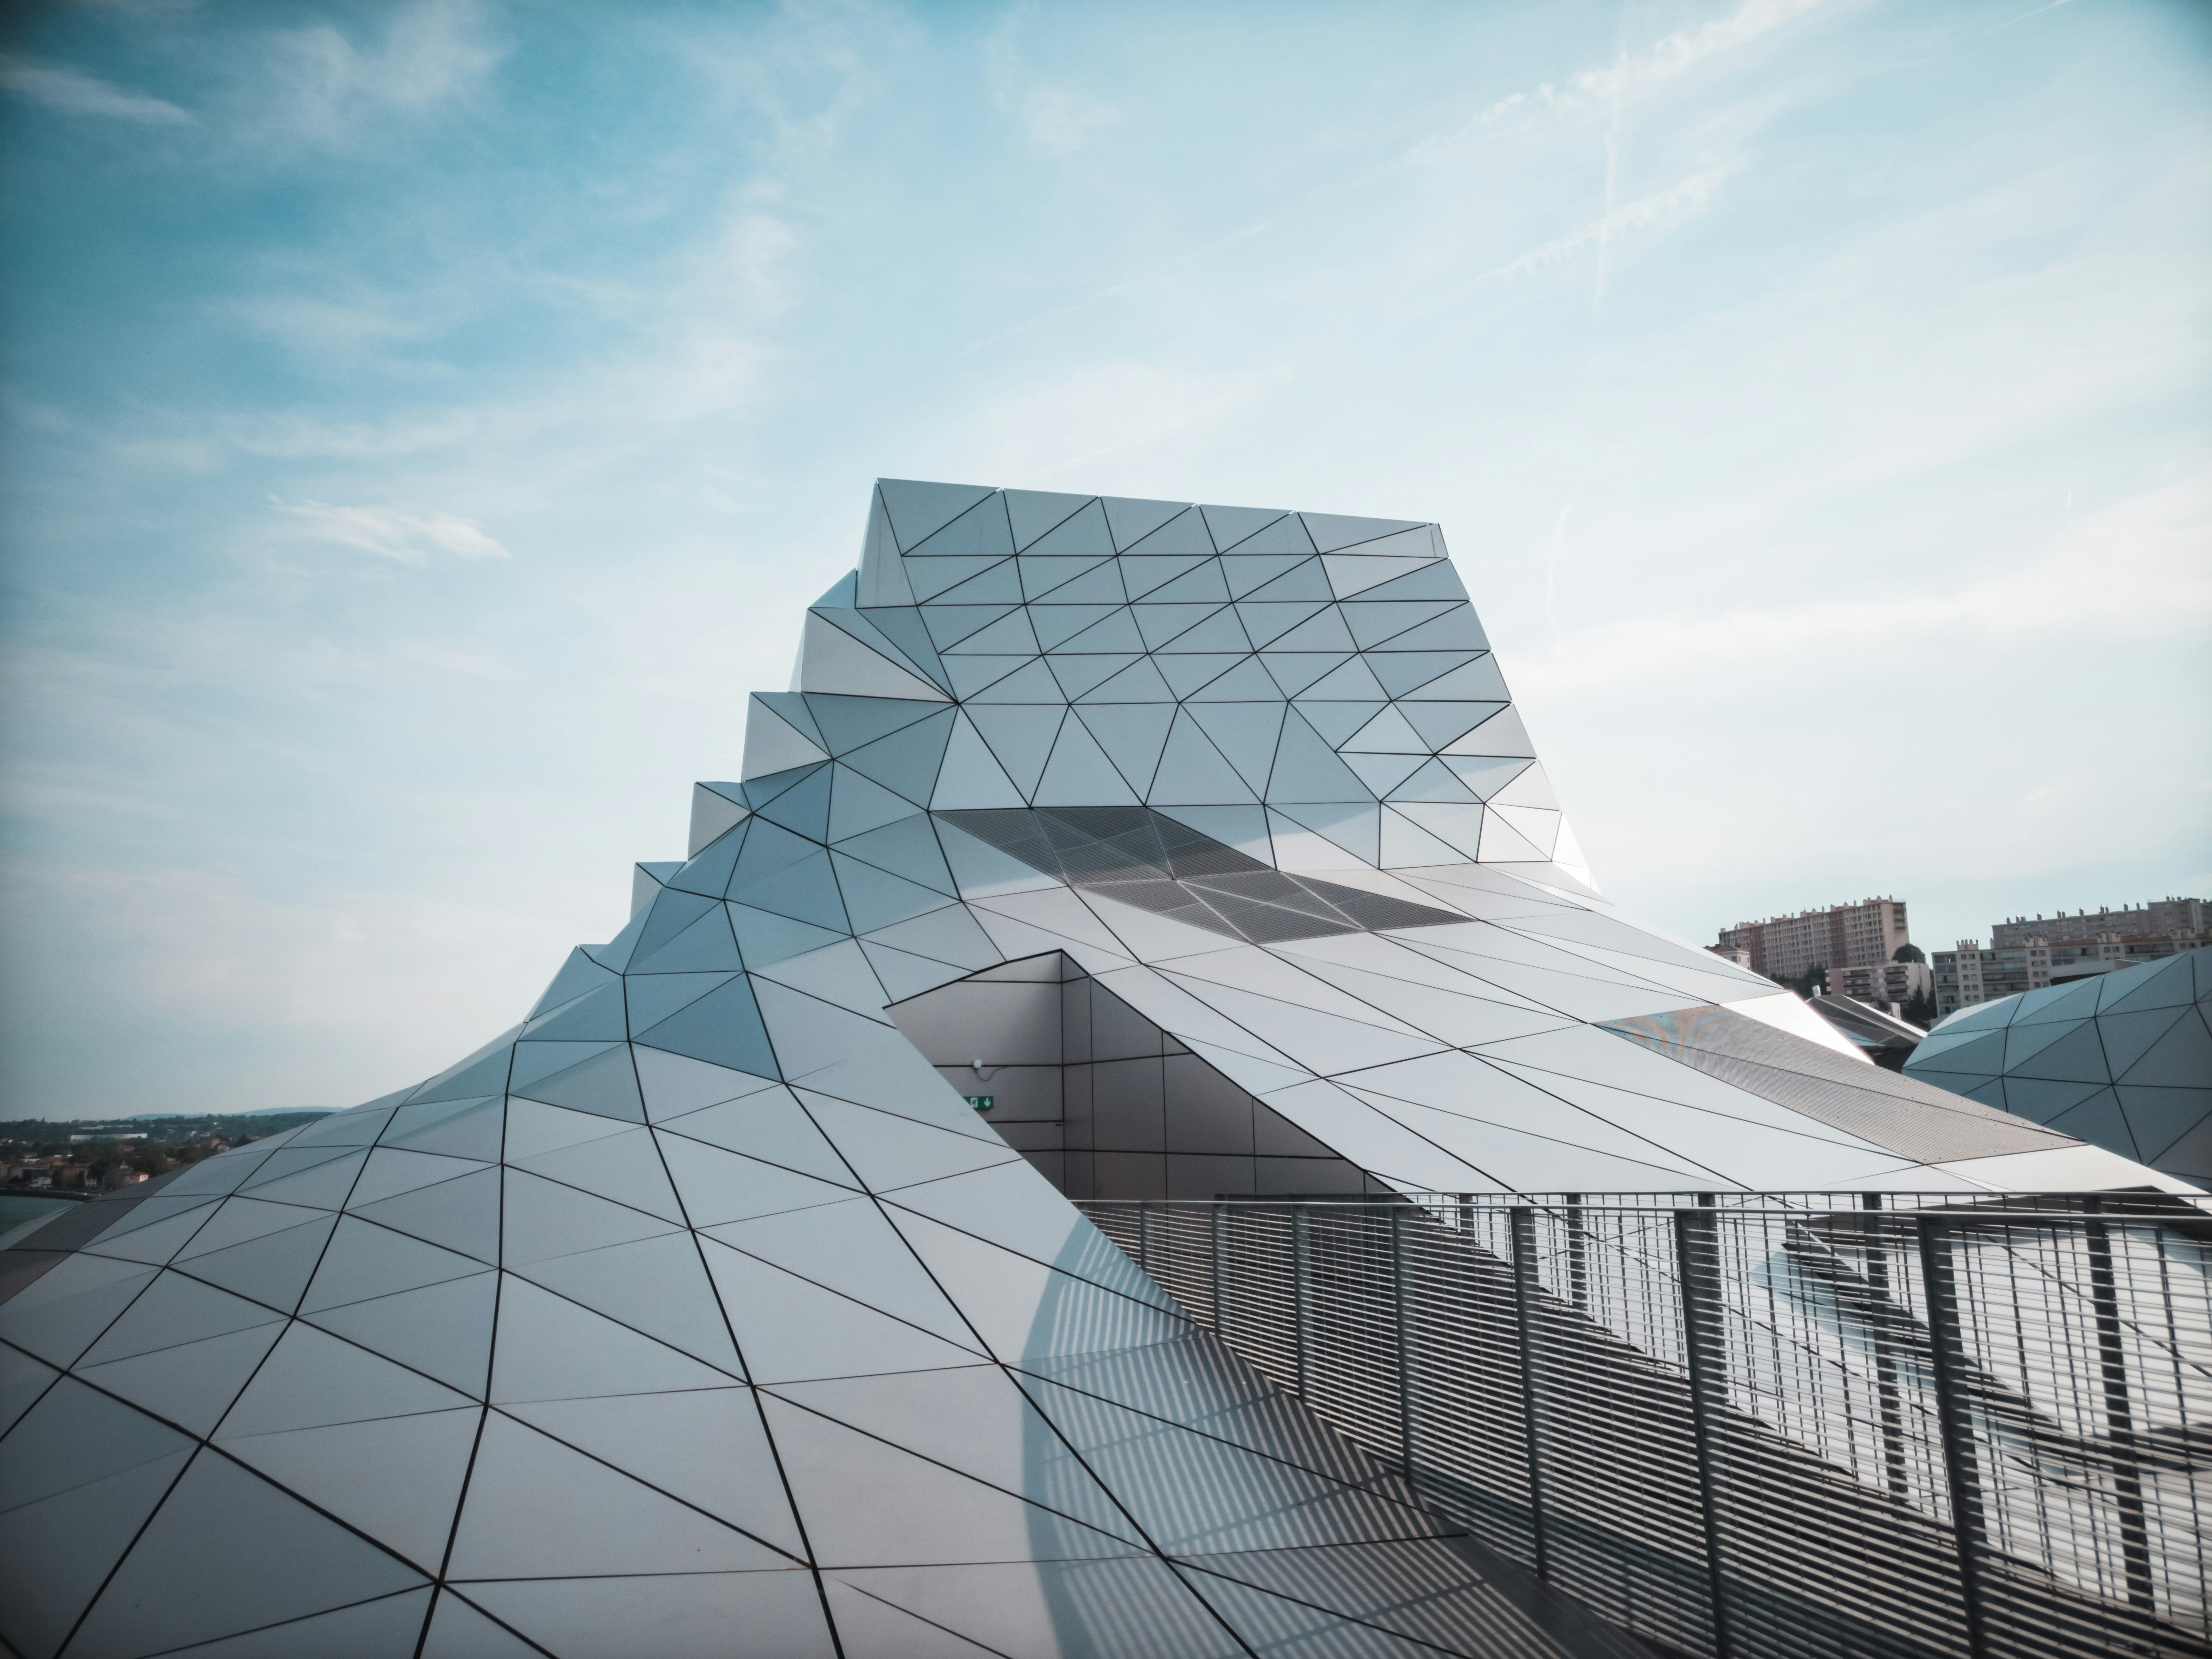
(981, 1102)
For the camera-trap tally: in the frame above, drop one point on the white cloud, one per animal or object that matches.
(1059, 119)
(1062, 121)
(72, 92)
(1631, 75)
(390, 534)
(326, 86)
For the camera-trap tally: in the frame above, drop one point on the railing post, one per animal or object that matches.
(1885, 1357)
(2119, 1415)
(1300, 1300)
(1524, 1224)
(1404, 1337)
(1217, 1226)
(1578, 1259)
(1949, 1356)
(1696, 1259)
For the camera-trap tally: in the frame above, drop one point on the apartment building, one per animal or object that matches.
(1970, 974)
(2028, 952)
(1842, 936)
(2157, 918)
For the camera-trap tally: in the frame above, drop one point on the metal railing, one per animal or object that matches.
(1752, 1424)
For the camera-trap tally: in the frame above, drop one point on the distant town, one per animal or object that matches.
(1857, 966)
(79, 1158)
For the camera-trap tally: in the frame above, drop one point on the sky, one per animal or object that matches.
(425, 423)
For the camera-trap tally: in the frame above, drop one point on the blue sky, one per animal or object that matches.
(424, 423)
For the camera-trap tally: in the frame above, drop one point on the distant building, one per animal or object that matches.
(1883, 982)
(2154, 920)
(2019, 962)
(1841, 936)
(1735, 953)
(1970, 974)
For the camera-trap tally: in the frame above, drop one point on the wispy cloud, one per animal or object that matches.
(1631, 75)
(390, 534)
(318, 328)
(2022, 17)
(72, 92)
(1058, 119)
(1656, 211)
(327, 86)
(1062, 121)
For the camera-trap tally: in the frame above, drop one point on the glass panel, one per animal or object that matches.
(443, 1330)
(775, 1613)
(55, 1554)
(537, 1509)
(229, 1552)
(790, 1328)
(551, 1349)
(1086, 1608)
(192, 1385)
(313, 1380)
(397, 1479)
(867, 1502)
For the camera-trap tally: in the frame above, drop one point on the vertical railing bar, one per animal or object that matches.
(1577, 1265)
(1949, 1354)
(1405, 1338)
(1521, 1220)
(1697, 1247)
(1217, 1227)
(1885, 1357)
(2119, 1416)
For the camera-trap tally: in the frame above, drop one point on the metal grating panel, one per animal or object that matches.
(1812, 1426)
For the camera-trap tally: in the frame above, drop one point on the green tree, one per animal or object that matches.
(1812, 981)
(1908, 953)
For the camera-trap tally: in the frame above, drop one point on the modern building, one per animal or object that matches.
(2156, 919)
(2123, 1060)
(734, 1300)
(1841, 936)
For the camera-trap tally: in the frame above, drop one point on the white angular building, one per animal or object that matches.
(701, 1312)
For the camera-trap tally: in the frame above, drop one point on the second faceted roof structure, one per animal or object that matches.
(2123, 1060)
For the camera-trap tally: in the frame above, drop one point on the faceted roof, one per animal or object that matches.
(697, 1312)
(2123, 1060)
